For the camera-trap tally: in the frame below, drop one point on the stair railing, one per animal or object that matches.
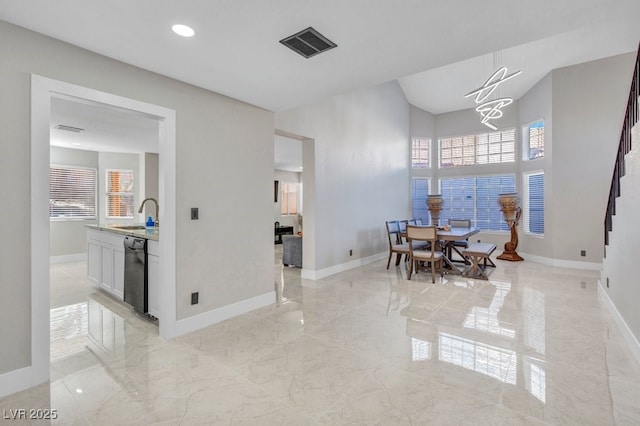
(630, 120)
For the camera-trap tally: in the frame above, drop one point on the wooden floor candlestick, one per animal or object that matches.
(509, 206)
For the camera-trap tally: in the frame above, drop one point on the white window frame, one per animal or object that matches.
(95, 193)
(475, 147)
(420, 145)
(525, 202)
(108, 193)
(526, 140)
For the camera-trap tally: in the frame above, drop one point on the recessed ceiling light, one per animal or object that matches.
(183, 30)
(76, 144)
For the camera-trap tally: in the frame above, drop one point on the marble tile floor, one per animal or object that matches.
(532, 346)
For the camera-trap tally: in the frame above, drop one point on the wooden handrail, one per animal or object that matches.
(624, 146)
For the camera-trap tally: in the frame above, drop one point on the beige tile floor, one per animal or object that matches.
(533, 345)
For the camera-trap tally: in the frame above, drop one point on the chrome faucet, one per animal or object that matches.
(157, 208)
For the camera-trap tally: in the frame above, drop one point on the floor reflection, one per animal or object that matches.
(366, 346)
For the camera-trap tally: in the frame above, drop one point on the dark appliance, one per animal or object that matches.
(135, 273)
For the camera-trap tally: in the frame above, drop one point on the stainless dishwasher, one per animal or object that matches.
(135, 273)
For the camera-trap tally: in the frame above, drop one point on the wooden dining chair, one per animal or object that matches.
(395, 244)
(421, 235)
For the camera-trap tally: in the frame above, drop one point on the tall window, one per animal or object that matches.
(476, 198)
(420, 152)
(119, 194)
(289, 203)
(419, 192)
(533, 137)
(481, 148)
(534, 203)
(72, 192)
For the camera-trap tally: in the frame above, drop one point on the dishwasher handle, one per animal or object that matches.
(133, 243)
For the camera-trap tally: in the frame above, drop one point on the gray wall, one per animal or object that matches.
(151, 188)
(620, 268)
(589, 101)
(361, 176)
(68, 237)
(216, 137)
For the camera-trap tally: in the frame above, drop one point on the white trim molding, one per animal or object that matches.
(205, 319)
(323, 273)
(18, 380)
(631, 339)
(561, 263)
(68, 258)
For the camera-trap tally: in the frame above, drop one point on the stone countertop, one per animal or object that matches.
(149, 234)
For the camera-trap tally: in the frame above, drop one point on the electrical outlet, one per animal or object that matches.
(350, 252)
(194, 213)
(194, 298)
(583, 284)
(583, 253)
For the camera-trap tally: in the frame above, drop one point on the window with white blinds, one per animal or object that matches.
(419, 192)
(481, 148)
(72, 192)
(533, 137)
(420, 152)
(289, 203)
(476, 198)
(534, 208)
(119, 194)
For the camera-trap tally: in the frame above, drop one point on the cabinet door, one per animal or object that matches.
(106, 271)
(94, 253)
(118, 272)
(153, 281)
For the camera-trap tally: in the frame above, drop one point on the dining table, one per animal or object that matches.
(446, 237)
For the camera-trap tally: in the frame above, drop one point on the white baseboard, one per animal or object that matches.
(215, 316)
(631, 339)
(19, 380)
(591, 266)
(322, 273)
(79, 257)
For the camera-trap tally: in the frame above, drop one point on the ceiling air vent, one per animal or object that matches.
(308, 42)
(69, 128)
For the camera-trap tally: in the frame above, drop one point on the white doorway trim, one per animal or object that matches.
(42, 90)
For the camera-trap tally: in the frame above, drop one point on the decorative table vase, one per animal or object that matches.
(510, 207)
(434, 204)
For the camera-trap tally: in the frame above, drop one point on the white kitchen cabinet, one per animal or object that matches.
(106, 261)
(153, 278)
(94, 255)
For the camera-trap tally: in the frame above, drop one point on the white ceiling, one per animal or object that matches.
(236, 51)
(437, 50)
(106, 128)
